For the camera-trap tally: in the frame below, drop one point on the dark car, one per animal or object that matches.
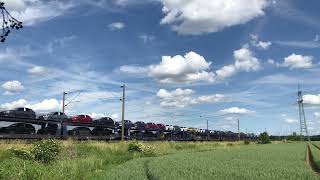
(128, 124)
(48, 129)
(101, 131)
(139, 125)
(18, 128)
(81, 119)
(151, 126)
(80, 131)
(176, 128)
(55, 116)
(20, 112)
(106, 121)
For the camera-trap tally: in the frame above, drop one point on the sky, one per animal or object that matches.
(183, 61)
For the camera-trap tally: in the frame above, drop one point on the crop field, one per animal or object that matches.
(167, 160)
(277, 161)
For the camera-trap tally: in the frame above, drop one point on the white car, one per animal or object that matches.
(184, 129)
(169, 128)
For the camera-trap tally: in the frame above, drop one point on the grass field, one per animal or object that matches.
(171, 160)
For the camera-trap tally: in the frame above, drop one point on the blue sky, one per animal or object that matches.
(180, 60)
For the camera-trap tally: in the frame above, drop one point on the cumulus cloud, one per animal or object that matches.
(203, 16)
(182, 98)
(193, 67)
(311, 99)
(12, 86)
(259, 44)
(43, 106)
(235, 110)
(116, 26)
(296, 61)
(31, 12)
(182, 69)
(14, 104)
(37, 70)
(244, 61)
(46, 105)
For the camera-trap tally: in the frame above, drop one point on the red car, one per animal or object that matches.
(81, 119)
(161, 127)
(151, 126)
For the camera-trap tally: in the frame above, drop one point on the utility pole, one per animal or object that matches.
(239, 129)
(302, 116)
(207, 129)
(123, 106)
(63, 101)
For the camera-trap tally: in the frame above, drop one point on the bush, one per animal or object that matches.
(246, 142)
(21, 153)
(142, 148)
(264, 138)
(45, 151)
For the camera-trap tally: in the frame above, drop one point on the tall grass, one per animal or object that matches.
(85, 160)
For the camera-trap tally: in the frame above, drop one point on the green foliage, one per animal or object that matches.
(21, 153)
(246, 142)
(46, 151)
(264, 138)
(142, 148)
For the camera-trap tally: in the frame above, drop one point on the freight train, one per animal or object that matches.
(24, 123)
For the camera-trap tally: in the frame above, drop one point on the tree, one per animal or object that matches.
(264, 138)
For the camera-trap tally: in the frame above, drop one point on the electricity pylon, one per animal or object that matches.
(302, 116)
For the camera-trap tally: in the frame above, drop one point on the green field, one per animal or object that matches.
(170, 160)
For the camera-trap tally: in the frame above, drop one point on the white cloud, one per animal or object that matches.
(115, 116)
(96, 115)
(204, 16)
(33, 11)
(37, 70)
(271, 61)
(296, 61)
(14, 104)
(244, 61)
(195, 68)
(134, 69)
(182, 98)
(259, 44)
(291, 120)
(311, 99)
(235, 110)
(147, 38)
(182, 69)
(45, 105)
(12, 86)
(116, 26)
